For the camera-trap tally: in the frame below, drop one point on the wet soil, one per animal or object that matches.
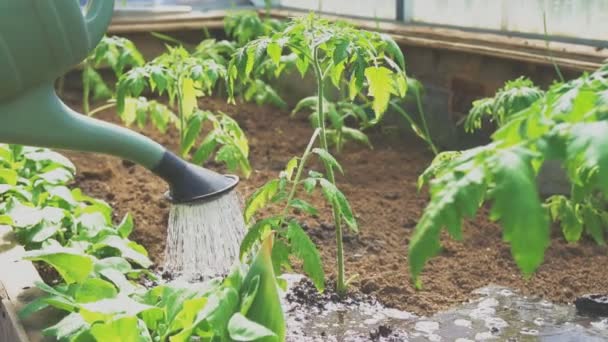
(381, 186)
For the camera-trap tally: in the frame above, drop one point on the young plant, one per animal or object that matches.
(115, 52)
(568, 124)
(514, 97)
(184, 78)
(371, 61)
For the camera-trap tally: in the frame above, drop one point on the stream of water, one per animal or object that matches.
(203, 238)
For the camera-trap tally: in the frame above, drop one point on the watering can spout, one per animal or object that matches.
(40, 118)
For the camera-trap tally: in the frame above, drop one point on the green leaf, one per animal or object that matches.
(242, 329)
(72, 265)
(249, 296)
(188, 101)
(341, 52)
(587, 151)
(454, 195)
(274, 52)
(518, 207)
(379, 79)
(255, 234)
(92, 290)
(107, 308)
(328, 159)
(593, 225)
(304, 206)
(128, 249)
(8, 176)
(260, 199)
(303, 248)
(393, 49)
(48, 157)
(126, 226)
(309, 103)
(193, 130)
(339, 201)
(119, 330)
(265, 309)
(69, 326)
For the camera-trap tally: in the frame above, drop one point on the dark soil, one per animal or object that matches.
(381, 186)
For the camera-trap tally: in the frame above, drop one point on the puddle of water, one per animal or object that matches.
(498, 314)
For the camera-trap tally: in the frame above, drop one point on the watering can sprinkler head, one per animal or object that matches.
(39, 42)
(190, 183)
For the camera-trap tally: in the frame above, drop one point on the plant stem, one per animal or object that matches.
(555, 66)
(299, 172)
(86, 89)
(340, 283)
(423, 119)
(102, 108)
(180, 113)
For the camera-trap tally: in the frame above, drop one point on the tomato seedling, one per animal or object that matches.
(567, 124)
(372, 61)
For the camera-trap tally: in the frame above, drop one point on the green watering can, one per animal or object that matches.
(40, 40)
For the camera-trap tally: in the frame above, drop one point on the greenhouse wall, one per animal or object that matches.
(585, 19)
(570, 18)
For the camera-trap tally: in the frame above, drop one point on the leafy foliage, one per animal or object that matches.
(245, 26)
(118, 53)
(282, 193)
(99, 267)
(567, 124)
(184, 77)
(339, 114)
(514, 97)
(333, 51)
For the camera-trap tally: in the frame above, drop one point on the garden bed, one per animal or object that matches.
(381, 185)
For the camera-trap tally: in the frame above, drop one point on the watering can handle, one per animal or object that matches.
(98, 17)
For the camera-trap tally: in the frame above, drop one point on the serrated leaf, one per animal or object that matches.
(260, 199)
(328, 159)
(303, 248)
(304, 206)
(393, 49)
(339, 201)
(255, 233)
(518, 207)
(379, 79)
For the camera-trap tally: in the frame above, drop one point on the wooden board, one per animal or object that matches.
(10, 327)
(569, 55)
(18, 278)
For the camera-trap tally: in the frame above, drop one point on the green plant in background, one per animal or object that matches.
(514, 97)
(338, 113)
(568, 124)
(371, 61)
(116, 53)
(184, 78)
(245, 26)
